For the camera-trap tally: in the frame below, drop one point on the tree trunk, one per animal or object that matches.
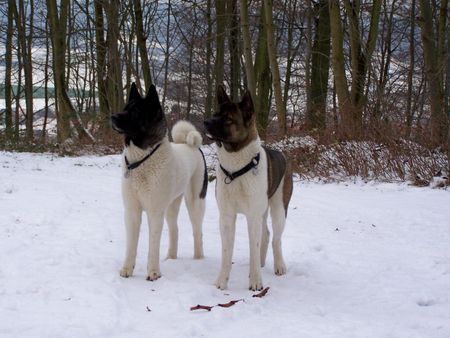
(292, 51)
(386, 55)
(209, 80)
(46, 80)
(65, 112)
(220, 41)
(360, 56)
(58, 34)
(308, 52)
(191, 60)
(316, 116)
(18, 95)
(114, 72)
(263, 78)
(247, 43)
(338, 64)
(167, 54)
(281, 112)
(235, 70)
(101, 67)
(25, 46)
(351, 103)
(409, 110)
(8, 72)
(435, 65)
(141, 44)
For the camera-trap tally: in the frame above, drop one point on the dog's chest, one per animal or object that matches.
(245, 192)
(151, 176)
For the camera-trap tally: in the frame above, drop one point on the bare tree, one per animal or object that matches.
(65, 112)
(141, 43)
(8, 71)
(409, 99)
(271, 47)
(220, 41)
(434, 50)
(209, 79)
(25, 42)
(351, 102)
(320, 65)
(249, 70)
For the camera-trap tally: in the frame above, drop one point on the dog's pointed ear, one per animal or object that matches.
(152, 96)
(134, 93)
(222, 96)
(246, 106)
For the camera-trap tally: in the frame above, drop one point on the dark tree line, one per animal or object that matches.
(353, 69)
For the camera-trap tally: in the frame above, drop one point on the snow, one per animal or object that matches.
(364, 260)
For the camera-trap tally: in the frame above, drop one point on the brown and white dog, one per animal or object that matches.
(251, 180)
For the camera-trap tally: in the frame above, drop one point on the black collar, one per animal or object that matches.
(138, 163)
(231, 176)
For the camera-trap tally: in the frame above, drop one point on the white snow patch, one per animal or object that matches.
(364, 260)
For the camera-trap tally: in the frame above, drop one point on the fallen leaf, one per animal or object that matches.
(201, 307)
(262, 293)
(230, 303)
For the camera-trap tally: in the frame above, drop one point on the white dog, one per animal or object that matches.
(157, 174)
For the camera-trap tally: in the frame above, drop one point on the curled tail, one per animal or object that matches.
(185, 132)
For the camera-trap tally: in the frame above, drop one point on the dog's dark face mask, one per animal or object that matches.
(233, 126)
(142, 119)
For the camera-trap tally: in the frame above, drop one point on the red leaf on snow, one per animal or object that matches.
(262, 293)
(230, 303)
(201, 307)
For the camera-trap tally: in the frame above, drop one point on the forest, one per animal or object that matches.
(366, 80)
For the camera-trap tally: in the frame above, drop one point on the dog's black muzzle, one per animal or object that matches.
(212, 128)
(114, 123)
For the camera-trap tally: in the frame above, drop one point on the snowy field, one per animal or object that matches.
(364, 260)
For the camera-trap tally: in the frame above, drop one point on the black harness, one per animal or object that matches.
(138, 163)
(232, 176)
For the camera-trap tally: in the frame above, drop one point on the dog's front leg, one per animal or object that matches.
(133, 215)
(227, 234)
(254, 235)
(155, 222)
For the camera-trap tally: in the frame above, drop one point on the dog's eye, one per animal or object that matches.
(229, 121)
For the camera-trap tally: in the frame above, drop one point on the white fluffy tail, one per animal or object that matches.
(185, 132)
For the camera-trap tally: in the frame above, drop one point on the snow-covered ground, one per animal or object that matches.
(364, 260)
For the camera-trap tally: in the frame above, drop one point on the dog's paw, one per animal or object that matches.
(153, 275)
(280, 268)
(221, 283)
(255, 284)
(171, 255)
(126, 272)
(199, 255)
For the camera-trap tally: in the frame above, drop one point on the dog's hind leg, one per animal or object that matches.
(264, 239)
(155, 222)
(227, 234)
(278, 216)
(133, 215)
(196, 210)
(171, 217)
